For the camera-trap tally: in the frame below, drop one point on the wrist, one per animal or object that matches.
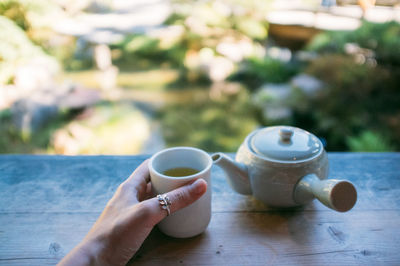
(94, 251)
(82, 254)
(85, 253)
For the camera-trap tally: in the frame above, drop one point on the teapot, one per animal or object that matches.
(285, 166)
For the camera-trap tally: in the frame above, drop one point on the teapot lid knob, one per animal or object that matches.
(286, 134)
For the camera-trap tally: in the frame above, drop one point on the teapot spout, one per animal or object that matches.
(236, 173)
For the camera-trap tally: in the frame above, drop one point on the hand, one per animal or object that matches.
(127, 220)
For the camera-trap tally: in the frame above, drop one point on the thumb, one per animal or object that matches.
(180, 198)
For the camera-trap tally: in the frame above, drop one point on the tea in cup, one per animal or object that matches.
(180, 171)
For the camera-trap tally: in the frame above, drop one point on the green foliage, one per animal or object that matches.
(356, 98)
(206, 125)
(13, 141)
(255, 71)
(204, 24)
(14, 42)
(368, 141)
(16, 49)
(382, 38)
(74, 56)
(32, 16)
(175, 19)
(255, 29)
(357, 110)
(362, 94)
(23, 35)
(112, 128)
(141, 45)
(144, 50)
(328, 42)
(16, 12)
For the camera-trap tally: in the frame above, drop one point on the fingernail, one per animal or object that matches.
(198, 186)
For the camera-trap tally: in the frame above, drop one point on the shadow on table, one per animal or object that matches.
(258, 230)
(297, 223)
(159, 243)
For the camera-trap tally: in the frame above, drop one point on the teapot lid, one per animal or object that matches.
(284, 143)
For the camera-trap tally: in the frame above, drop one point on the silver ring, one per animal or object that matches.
(165, 202)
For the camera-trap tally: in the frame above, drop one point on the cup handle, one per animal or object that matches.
(339, 195)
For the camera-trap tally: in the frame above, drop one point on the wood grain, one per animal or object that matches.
(48, 203)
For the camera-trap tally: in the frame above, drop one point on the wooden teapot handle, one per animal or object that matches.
(339, 195)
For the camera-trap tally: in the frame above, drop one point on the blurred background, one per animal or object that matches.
(136, 76)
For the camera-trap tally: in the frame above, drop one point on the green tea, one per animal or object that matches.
(180, 171)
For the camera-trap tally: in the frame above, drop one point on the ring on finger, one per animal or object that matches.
(164, 202)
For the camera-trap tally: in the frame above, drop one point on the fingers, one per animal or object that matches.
(186, 195)
(138, 181)
(140, 174)
(180, 198)
(149, 192)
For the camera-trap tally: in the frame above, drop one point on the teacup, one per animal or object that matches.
(193, 219)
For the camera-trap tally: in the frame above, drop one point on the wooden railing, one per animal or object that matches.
(48, 203)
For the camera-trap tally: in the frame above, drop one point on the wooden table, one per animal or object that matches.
(48, 203)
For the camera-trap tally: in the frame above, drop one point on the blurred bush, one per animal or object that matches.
(12, 141)
(204, 39)
(368, 141)
(32, 16)
(256, 71)
(26, 35)
(381, 38)
(141, 50)
(16, 49)
(213, 41)
(213, 125)
(359, 106)
(16, 12)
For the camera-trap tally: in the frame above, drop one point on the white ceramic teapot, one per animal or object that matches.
(285, 166)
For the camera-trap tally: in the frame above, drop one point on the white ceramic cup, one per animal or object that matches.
(193, 219)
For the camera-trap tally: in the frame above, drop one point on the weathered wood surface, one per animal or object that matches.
(48, 203)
